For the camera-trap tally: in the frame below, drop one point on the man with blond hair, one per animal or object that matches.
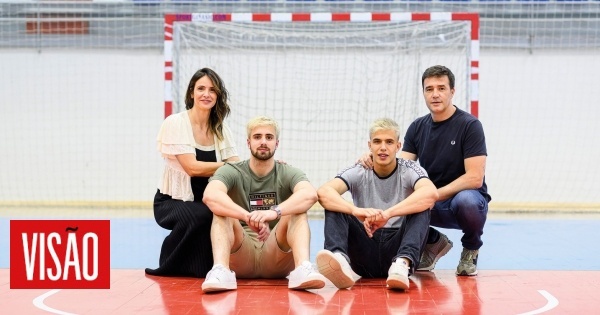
(260, 227)
(383, 231)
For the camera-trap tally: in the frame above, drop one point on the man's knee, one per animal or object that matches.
(470, 200)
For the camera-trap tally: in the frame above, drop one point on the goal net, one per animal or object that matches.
(323, 76)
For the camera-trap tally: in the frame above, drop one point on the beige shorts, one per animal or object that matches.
(255, 259)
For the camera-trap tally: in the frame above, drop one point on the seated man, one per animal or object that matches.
(260, 227)
(385, 228)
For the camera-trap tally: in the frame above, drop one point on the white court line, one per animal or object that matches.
(552, 303)
(39, 303)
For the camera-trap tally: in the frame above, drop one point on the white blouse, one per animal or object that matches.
(176, 137)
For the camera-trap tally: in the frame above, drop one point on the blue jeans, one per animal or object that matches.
(466, 211)
(372, 257)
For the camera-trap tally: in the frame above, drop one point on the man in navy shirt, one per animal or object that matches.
(450, 145)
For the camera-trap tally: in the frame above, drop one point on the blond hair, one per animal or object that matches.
(384, 124)
(261, 121)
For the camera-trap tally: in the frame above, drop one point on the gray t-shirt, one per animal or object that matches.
(258, 193)
(368, 190)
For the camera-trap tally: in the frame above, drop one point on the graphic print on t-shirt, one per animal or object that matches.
(262, 201)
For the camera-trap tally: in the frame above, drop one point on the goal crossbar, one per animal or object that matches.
(322, 17)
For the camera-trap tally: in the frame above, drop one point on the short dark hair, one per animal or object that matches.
(438, 71)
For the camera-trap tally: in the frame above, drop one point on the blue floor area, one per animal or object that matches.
(539, 243)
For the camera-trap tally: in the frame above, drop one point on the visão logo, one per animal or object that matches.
(59, 254)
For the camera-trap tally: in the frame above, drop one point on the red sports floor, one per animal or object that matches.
(438, 292)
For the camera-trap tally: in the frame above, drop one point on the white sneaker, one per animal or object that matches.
(336, 268)
(398, 275)
(219, 278)
(305, 277)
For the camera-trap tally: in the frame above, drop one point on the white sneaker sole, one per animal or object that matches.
(397, 283)
(216, 287)
(465, 273)
(314, 282)
(332, 270)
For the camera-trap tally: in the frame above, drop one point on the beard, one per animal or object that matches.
(263, 156)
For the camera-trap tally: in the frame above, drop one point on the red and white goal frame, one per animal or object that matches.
(358, 17)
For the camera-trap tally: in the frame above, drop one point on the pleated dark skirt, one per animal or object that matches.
(187, 250)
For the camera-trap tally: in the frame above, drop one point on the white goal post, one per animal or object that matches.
(323, 76)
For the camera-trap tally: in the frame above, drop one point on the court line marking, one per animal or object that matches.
(552, 303)
(39, 303)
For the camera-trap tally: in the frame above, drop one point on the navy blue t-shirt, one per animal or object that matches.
(442, 147)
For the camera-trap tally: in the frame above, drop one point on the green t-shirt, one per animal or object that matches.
(258, 193)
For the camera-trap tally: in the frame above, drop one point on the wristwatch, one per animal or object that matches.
(277, 210)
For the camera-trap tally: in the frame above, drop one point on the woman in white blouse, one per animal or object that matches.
(193, 143)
